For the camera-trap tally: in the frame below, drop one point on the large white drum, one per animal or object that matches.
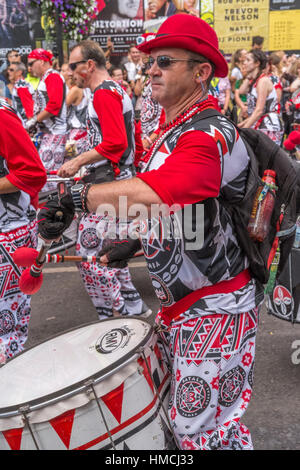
(101, 386)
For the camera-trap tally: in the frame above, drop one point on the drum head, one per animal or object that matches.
(67, 361)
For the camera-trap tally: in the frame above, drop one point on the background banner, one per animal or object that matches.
(237, 21)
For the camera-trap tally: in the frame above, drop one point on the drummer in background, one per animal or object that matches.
(209, 300)
(22, 93)
(22, 175)
(111, 138)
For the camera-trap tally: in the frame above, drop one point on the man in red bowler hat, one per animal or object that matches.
(208, 299)
(50, 111)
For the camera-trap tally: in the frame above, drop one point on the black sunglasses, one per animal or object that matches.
(73, 65)
(164, 61)
(30, 64)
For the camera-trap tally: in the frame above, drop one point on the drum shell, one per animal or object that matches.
(132, 411)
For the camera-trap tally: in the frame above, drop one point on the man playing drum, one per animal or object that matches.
(50, 111)
(110, 127)
(22, 175)
(209, 301)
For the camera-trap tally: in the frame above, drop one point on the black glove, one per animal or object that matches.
(118, 252)
(56, 216)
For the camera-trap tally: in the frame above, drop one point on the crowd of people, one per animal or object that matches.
(99, 121)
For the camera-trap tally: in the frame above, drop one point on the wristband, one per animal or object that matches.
(83, 196)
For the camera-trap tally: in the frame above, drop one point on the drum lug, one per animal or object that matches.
(89, 388)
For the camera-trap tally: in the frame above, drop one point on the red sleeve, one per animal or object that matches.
(108, 106)
(26, 100)
(190, 174)
(55, 90)
(26, 170)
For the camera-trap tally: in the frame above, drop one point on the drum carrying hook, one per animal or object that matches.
(24, 410)
(90, 383)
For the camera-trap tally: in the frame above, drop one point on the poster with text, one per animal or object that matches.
(121, 21)
(284, 33)
(19, 27)
(237, 21)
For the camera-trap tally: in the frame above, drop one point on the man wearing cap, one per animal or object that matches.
(209, 301)
(50, 111)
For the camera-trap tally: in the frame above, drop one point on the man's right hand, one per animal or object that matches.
(31, 125)
(116, 253)
(55, 217)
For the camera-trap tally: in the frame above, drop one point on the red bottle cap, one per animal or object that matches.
(271, 173)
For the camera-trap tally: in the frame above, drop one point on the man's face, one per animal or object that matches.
(174, 82)
(36, 68)
(117, 75)
(129, 7)
(155, 5)
(135, 54)
(80, 76)
(13, 56)
(13, 73)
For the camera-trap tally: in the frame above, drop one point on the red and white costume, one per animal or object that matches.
(20, 164)
(50, 96)
(110, 125)
(211, 338)
(270, 122)
(77, 122)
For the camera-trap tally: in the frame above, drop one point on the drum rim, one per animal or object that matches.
(40, 402)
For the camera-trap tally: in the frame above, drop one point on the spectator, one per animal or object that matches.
(257, 42)
(117, 75)
(134, 64)
(159, 8)
(22, 93)
(235, 69)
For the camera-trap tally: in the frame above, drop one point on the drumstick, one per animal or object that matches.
(31, 279)
(26, 257)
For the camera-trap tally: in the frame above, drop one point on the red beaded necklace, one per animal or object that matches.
(169, 127)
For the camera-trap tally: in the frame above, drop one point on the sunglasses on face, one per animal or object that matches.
(164, 61)
(11, 70)
(30, 64)
(73, 65)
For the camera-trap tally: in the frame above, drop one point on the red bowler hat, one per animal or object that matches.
(191, 33)
(41, 54)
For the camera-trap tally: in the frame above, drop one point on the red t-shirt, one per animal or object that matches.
(190, 174)
(26, 100)
(109, 108)
(26, 170)
(55, 91)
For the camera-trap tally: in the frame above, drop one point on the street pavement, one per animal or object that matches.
(274, 410)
